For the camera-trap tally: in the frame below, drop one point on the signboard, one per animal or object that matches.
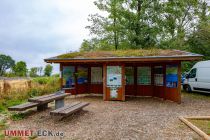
(82, 75)
(96, 75)
(114, 76)
(171, 76)
(68, 76)
(144, 75)
(158, 76)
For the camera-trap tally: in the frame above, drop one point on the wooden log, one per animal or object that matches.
(198, 117)
(196, 129)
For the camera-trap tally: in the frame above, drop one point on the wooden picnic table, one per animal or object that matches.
(43, 101)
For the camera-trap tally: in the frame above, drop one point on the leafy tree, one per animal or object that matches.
(34, 72)
(48, 70)
(20, 69)
(6, 62)
(107, 29)
(199, 41)
(144, 23)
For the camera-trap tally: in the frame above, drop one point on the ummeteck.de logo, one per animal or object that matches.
(18, 133)
(28, 133)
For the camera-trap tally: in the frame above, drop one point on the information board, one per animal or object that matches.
(114, 76)
(171, 76)
(144, 75)
(96, 75)
(68, 76)
(82, 75)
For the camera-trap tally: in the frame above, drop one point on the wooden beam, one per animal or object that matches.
(196, 129)
(104, 81)
(123, 82)
(179, 82)
(128, 59)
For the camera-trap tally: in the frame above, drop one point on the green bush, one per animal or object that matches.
(41, 80)
(18, 116)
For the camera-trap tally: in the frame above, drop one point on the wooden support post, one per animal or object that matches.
(152, 81)
(59, 103)
(61, 76)
(123, 82)
(104, 82)
(164, 82)
(89, 79)
(75, 76)
(135, 80)
(179, 83)
(42, 107)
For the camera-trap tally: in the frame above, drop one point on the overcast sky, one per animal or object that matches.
(31, 30)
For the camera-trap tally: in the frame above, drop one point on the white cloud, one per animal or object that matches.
(37, 29)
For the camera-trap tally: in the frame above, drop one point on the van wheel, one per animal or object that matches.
(187, 88)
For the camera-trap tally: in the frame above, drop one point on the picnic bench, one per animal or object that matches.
(69, 109)
(42, 102)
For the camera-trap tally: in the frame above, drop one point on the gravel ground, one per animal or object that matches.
(134, 119)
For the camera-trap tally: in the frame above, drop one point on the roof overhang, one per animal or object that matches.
(192, 57)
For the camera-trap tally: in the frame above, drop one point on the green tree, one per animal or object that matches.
(199, 41)
(48, 70)
(179, 19)
(34, 72)
(20, 69)
(6, 62)
(107, 28)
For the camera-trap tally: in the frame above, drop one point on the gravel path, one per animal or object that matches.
(135, 119)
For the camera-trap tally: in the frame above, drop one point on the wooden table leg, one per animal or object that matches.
(42, 107)
(59, 103)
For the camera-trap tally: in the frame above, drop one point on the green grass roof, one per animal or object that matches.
(122, 53)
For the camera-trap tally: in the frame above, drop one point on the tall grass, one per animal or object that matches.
(39, 86)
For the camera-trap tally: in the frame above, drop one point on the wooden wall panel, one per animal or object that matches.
(144, 90)
(96, 88)
(130, 90)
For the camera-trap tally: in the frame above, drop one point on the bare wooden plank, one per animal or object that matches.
(63, 108)
(22, 107)
(44, 96)
(65, 111)
(198, 117)
(73, 109)
(50, 98)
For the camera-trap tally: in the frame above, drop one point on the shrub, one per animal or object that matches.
(17, 116)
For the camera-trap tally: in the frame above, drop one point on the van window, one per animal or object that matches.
(192, 73)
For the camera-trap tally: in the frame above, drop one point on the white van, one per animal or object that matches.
(198, 78)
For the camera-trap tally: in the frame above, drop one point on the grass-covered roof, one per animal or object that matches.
(122, 53)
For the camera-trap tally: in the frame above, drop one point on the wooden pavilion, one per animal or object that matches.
(116, 74)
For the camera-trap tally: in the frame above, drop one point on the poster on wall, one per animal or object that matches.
(96, 75)
(171, 76)
(114, 76)
(144, 75)
(68, 76)
(129, 73)
(82, 75)
(113, 93)
(158, 76)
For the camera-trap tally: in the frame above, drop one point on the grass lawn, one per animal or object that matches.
(204, 125)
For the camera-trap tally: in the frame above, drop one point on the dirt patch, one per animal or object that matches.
(136, 118)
